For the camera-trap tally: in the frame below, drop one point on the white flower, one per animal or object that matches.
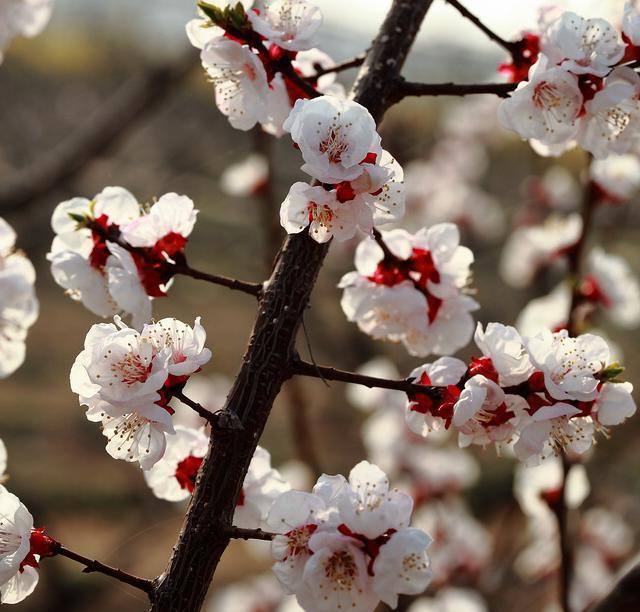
(461, 546)
(239, 79)
(584, 46)
(483, 413)
(614, 403)
(348, 545)
(530, 248)
(119, 375)
(306, 63)
(535, 487)
(612, 116)
(417, 298)
(171, 215)
(373, 509)
(18, 574)
(569, 364)
(503, 345)
(631, 22)
(617, 175)
(335, 137)
(546, 107)
(320, 210)
(425, 414)
(185, 343)
(451, 599)
(294, 516)
(22, 18)
(99, 273)
(402, 566)
(262, 486)
(336, 576)
(18, 303)
(256, 593)
(290, 24)
(174, 476)
(607, 532)
(247, 177)
(612, 283)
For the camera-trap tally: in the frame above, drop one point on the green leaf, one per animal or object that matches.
(81, 219)
(214, 13)
(611, 372)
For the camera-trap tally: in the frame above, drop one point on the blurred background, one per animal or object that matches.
(56, 84)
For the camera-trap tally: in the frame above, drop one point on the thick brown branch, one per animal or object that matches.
(238, 533)
(407, 88)
(91, 565)
(511, 47)
(134, 101)
(266, 363)
(354, 62)
(304, 368)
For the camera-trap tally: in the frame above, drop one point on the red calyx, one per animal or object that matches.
(187, 472)
(483, 366)
(39, 544)
(371, 547)
(552, 497)
(370, 158)
(590, 289)
(240, 501)
(589, 85)
(528, 50)
(425, 404)
(536, 382)
(100, 253)
(631, 52)
(345, 192)
(387, 274)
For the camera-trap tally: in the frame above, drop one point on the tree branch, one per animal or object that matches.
(201, 410)
(354, 62)
(239, 533)
(408, 88)
(510, 46)
(91, 565)
(254, 289)
(132, 102)
(266, 363)
(304, 368)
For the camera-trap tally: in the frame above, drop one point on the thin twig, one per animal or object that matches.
(182, 267)
(132, 102)
(511, 47)
(254, 289)
(354, 62)
(407, 88)
(239, 533)
(201, 410)
(304, 368)
(576, 256)
(91, 565)
(389, 256)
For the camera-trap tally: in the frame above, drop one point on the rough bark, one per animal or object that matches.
(266, 363)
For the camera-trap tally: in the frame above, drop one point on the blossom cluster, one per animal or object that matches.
(358, 184)
(116, 255)
(579, 89)
(22, 18)
(250, 54)
(414, 292)
(126, 378)
(434, 471)
(348, 544)
(542, 394)
(18, 302)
